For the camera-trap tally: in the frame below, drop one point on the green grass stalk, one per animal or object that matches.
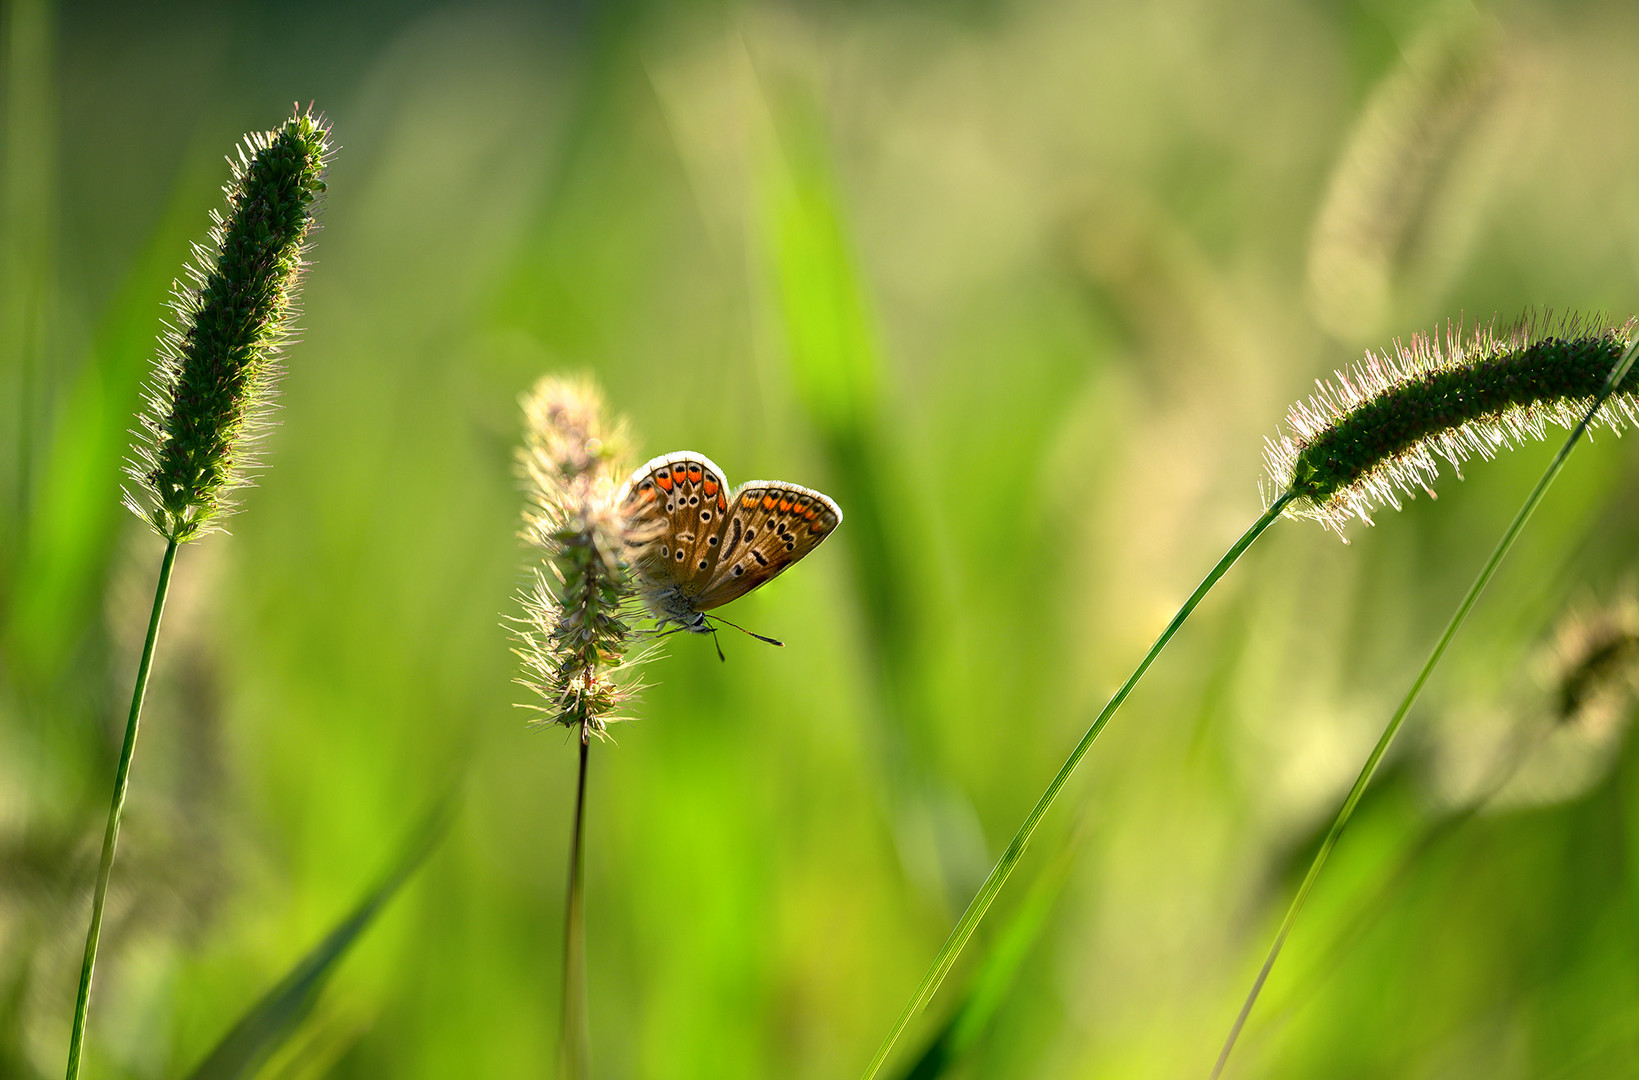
(981, 902)
(574, 1041)
(575, 631)
(992, 982)
(110, 837)
(208, 399)
(1613, 380)
(1523, 745)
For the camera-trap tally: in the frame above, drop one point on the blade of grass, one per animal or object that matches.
(29, 163)
(1618, 373)
(1396, 880)
(833, 359)
(74, 516)
(275, 1018)
(1015, 850)
(995, 977)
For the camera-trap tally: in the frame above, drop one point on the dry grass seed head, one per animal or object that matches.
(1594, 665)
(575, 631)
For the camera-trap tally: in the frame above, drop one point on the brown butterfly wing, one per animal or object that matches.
(770, 526)
(678, 504)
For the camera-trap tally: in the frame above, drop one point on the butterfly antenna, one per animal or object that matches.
(743, 630)
(716, 645)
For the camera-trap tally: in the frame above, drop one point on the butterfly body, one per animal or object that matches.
(700, 545)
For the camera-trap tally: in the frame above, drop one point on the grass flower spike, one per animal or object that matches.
(208, 398)
(1596, 663)
(207, 401)
(1379, 432)
(1532, 380)
(1362, 443)
(575, 632)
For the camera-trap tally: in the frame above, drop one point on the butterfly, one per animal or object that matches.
(698, 545)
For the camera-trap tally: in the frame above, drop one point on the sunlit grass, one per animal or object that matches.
(1024, 283)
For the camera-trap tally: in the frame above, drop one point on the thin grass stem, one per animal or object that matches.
(1392, 883)
(574, 1044)
(1015, 850)
(1618, 373)
(111, 833)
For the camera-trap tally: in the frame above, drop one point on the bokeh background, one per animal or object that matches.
(1023, 284)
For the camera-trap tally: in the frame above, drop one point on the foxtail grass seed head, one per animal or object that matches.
(575, 631)
(208, 399)
(1378, 231)
(1378, 432)
(1595, 663)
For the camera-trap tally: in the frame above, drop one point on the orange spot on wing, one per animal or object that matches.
(785, 505)
(809, 513)
(768, 502)
(648, 493)
(694, 473)
(721, 505)
(664, 480)
(711, 485)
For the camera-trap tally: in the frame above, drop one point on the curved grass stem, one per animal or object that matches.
(1618, 373)
(1015, 850)
(111, 833)
(1523, 746)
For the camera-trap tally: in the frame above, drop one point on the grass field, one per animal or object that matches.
(1023, 286)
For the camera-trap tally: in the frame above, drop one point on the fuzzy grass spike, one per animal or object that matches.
(576, 629)
(1380, 430)
(208, 399)
(1610, 396)
(575, 632)
(1376, 434)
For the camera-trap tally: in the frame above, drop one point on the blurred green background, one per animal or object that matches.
(1023, 285)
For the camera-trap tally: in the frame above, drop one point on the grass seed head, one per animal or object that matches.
(1595, 663)
(575, 630)
(207, 401)
(1379, 431)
